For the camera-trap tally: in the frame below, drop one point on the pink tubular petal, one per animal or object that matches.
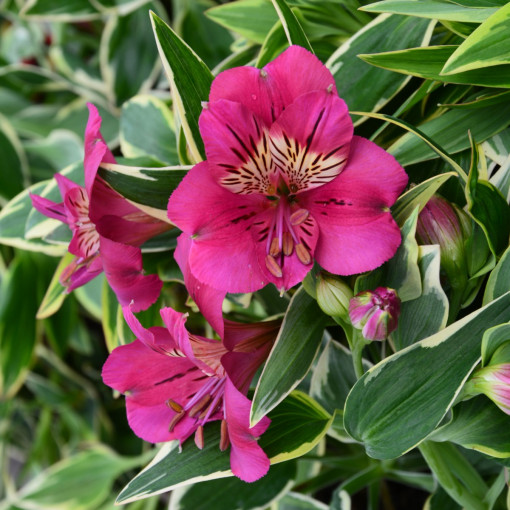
(176, 326)
(237, 148)
(297, 71)
(64, 184)
(96, 150)
(247, 459)
(310, 140)
(76, 275)
(208, 299)
(123, 269)
(49, 208)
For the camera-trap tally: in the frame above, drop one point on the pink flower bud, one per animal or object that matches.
(493, 381)
(375, 312)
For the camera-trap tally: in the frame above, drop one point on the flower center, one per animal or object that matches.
(83, 229)
(282, 240)
(206, 402)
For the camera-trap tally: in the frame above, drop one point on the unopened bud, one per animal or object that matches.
(333, 296)
(375, 312)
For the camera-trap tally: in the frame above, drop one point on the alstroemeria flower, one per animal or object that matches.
(285, 181)
(175, 383)
(375, 312)
(103, 223)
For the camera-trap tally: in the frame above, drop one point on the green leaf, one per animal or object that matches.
(80, 482)
(190, 82)
(13, 218)
(59, 10)
(297, 425)
(333, 377)
(14, 161)
(401, 272)
(89, 296)
(274, 44)
(428, 63)
(450, 131)
(127, 72)
(499, 279)
(486, 46)
(21, 288)
(427, 314)
(365, 87)
(292, 355)
(235, 494)
(56, 292)
(492, 339)
(148, 188)
(293, 29)
(489, 208)
(147, 129)
(298, 501)
(417, 196)
(432, 9)
(477, 424)
(252, 19)
(415, 387)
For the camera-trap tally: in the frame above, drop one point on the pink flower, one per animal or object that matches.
(375, 312)
(285, 181)
(176, 382)
(106, 228)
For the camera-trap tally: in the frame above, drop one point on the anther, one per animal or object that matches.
(330, 88)
(293, 188)
(271, 189)
(299, 216)
(205, 105)
(224, 439)
(273, 266)
(175, 420)
(199, 405)
(199, 437)
(172, 404)
(288, 244)
(274, 250)
(302, 254)
(263, 74)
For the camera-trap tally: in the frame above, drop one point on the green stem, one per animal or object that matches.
(455, 474)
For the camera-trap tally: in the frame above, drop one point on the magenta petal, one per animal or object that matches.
(310, 140)
(247, 459)
(237, 148)
(96, 150)
(49, 208)
(64, 184)
(208, 299)
(123, 269)
(75, 276)
(248, 86)
(297, 71)
(176, 326)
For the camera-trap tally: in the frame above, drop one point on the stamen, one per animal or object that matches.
(274, 251)
(288, 244)
(175, 420)
(302, 254)
(299, 216)
(205, 105)
(330, 88)
(273, 266)
(199, 437)
(224, 439)
(174, 405)
(199, 405)
(263, 74)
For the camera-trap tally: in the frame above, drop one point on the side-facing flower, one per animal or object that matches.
(106, 228)
(285, 181)
(176, 382)
(375, 312)
(493, 380)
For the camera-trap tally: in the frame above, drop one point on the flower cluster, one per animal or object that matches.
(285, 183)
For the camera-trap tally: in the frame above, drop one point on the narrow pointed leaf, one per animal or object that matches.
(367, 87)
(190, 82)
(487, 46)
(428, 63)
(416, 387)
(292, 355)
(293, 29)
(433, 9)
(499, 279)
